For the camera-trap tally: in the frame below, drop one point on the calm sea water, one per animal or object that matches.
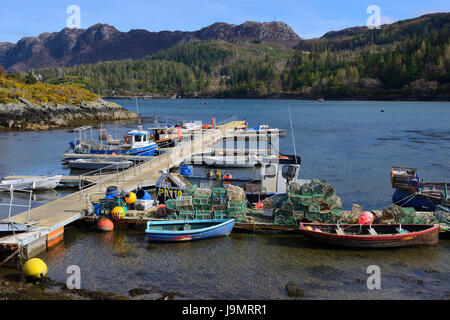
(351, 144)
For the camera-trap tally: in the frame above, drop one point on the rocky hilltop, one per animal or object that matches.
(25, 115)
(102, 42)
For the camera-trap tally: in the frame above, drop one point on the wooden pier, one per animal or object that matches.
(46, 223)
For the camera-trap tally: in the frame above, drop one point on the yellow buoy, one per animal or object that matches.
(117, 213)
(34, 268)
(131, 198)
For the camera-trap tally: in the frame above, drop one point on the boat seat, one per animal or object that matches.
(339, 231)
(373, 232)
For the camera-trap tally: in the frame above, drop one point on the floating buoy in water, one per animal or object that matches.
(131, 198)
(105, 224)
(34, 268)
(118, 213)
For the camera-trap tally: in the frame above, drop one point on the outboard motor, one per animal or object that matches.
(72, 146)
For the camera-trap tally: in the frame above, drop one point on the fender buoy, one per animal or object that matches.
(131, 198)
(366, 218)
(161, 210)
(34, 268)
(118, 213)
(105, 224)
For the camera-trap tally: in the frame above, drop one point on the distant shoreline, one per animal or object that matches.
(283, 97)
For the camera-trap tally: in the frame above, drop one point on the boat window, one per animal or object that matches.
(270, 171)
(288, 172)
(137, 138)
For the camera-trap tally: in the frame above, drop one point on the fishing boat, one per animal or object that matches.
(34, 183)
(135, 142)
(412, 191)
(277, 173)
(263, 129)
(94, 164)
(371, 236)
(187, 230)
(230, 161)
(166, 136)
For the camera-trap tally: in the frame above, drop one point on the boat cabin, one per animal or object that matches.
(276, 173)
(138, 137)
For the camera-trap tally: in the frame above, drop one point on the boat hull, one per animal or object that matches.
(425, 236)
(419, 202)
(86, 165)
(45, 183)
(221, 228)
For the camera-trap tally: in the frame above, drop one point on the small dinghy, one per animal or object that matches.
(34, 183)
(94, 164)
(187, 230)
(371, 236)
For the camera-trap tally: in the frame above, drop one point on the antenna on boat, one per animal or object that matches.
(292, 132)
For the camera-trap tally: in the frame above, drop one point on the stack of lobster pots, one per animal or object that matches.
(315, 201)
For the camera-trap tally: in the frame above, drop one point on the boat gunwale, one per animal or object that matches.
(369, 237)
(183, 232)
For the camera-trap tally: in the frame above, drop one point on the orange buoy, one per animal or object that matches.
(105, 225)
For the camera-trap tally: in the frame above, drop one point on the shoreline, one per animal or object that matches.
(284, 97)
(14, 286)
(24, 115)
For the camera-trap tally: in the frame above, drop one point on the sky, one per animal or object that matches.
(309, 19)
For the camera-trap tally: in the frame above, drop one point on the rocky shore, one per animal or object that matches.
(14, 286)
(25, 115)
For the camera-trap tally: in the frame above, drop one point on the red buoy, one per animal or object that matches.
(366, 218)
(105, 224)
(161, 210)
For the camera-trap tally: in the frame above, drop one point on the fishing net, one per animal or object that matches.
(235, 193)
(190, 190)
(203, 214)
(442, 215)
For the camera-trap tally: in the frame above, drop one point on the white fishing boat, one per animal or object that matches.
(94, 164)
(34, 183)
(263, 129)
(231, 161)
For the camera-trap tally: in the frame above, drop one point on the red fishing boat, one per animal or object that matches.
(371, 236)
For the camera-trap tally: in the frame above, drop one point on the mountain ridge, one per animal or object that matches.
(102, 42)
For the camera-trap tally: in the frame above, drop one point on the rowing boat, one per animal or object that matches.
(187, 230)
(371, 236)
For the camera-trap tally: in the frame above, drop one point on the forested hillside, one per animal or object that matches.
(407, 59)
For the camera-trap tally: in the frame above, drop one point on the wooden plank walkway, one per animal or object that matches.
(58, 213)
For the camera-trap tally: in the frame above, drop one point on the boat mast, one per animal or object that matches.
(292, 132)
(137, 110)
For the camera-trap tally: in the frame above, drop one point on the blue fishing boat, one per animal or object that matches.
(412, 191)
(136, 142)
(187, 230)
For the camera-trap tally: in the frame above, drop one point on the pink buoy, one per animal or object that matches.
(105, 225)
(366, 218)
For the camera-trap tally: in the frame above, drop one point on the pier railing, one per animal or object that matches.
(11, 204)
(174, 157)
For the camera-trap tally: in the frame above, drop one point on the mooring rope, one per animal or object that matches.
(10, 256)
